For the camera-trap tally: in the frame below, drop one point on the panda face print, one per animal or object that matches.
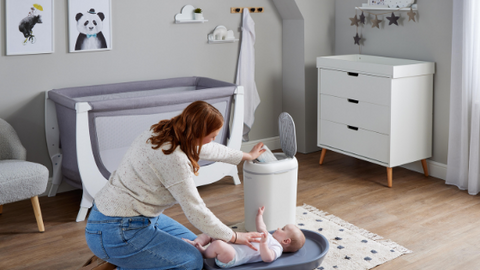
(90, 23)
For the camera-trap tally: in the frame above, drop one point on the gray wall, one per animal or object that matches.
(146, 45)
(145, 50)
(307, 34)
(428, 39)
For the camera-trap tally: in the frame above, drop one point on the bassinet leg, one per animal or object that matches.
(87, 202)
(53, 190)
(82, 214)
(236, 179)
(234, 174)
(52, 136)
(56, 174)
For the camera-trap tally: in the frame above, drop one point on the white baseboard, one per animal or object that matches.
(64, 187)
(435, 169)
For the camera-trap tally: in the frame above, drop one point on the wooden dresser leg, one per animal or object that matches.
(389, 177)
(425, 168)
(322, 156)
(38, 213)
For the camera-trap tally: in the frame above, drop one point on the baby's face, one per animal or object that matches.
(284, 233)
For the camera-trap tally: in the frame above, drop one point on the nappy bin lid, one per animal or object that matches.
(288, 138)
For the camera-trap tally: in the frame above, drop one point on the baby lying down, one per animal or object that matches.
(269, 247)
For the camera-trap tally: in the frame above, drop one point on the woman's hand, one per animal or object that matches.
(246, 239)
(255, 152)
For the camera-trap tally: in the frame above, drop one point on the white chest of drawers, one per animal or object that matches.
(377, 109)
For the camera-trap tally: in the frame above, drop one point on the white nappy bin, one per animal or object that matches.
(273, 184)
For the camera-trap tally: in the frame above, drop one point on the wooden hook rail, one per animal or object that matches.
(251, 9)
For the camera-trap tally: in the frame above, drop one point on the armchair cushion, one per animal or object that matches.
(21, 180)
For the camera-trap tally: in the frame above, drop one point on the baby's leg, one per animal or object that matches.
(201, 240)
(220, 250)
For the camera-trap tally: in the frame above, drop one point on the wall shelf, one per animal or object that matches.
(367, 7)
(186, 15)
(189, 21)
(222, 41)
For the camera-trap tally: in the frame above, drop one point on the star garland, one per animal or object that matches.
(392, 19)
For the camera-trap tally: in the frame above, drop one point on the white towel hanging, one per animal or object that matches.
(246, 72)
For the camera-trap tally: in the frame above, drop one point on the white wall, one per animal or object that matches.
(146, 45)
(428, 39)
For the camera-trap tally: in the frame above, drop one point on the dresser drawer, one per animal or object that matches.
(356, 113)
(357, 86)
(360, 142)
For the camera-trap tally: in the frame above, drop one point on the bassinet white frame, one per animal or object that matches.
(92, 178)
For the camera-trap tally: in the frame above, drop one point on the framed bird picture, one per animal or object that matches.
(29, 27)
(90, 25)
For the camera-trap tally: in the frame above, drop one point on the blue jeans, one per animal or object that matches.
(141, 242)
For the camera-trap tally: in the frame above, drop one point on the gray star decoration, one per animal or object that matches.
(354, 20)
(357, 39)
(362, 18)
(411, 15)
(376, 21)
(393, 19)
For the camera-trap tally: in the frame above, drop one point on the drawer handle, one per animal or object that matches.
(352, 127)
(354, 74)
(353, 101)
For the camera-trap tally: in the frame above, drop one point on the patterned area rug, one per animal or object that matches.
(350, 247)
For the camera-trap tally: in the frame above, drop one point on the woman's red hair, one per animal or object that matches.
(187, 130)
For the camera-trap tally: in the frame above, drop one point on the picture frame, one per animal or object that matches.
(29, 27)
(90, 25)
(376, 2)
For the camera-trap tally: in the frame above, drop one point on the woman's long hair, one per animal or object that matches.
(187, 130)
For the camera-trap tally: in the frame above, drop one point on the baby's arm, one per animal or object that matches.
(266, 253)
(261, 227)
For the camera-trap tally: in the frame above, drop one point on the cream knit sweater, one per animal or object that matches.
(147, 182)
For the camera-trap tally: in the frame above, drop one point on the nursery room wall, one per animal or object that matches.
(429, 38)
(147, 44)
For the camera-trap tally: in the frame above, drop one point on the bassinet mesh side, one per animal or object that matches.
(113, 132)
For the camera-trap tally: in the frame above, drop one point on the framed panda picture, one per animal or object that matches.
(90, 25)
(29, 27)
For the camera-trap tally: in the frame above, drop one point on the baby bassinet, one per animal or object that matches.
(89, 129)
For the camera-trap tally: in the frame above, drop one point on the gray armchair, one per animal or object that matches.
(19, 179)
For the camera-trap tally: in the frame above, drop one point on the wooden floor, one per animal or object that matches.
(439, 223)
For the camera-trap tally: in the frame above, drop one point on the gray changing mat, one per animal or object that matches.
(310, 256)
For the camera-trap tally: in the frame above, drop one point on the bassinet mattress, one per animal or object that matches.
(121, 111)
